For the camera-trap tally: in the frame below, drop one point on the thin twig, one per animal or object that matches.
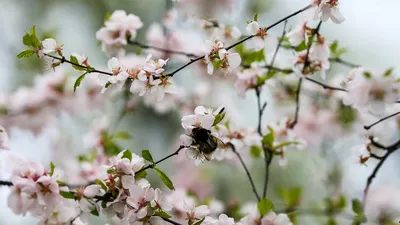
(88, 69)
(247, 171)
(372, 176)
(163, 159)
(306, 62)
(5, 183)
(326, 86)
(164, 50)
(296, 114)
(241, 41)
(170, 221)
(381, 120)
(345, 63)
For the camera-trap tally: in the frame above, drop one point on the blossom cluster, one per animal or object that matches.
(119, 27)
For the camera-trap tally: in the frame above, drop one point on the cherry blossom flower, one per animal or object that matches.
(62, 213)
(370, 90)
(230, 61)
(212, 49)
(118, 78)
(194, 214)
(299, 34)
(82, 59)
(118, 28)
(50, 46)
(273, 219)
(3, 139)
(328, 9)
(155, 67)
(261, 39)
(248, 78)
(138, 202)
(314, 64)
(159, 201)
(222, 220)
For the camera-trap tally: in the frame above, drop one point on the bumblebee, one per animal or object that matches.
(205, 142)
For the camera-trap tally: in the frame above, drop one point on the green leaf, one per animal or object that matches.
(52, 167)
(34, 39)
(218, 118)
(342, 202)
(165, 179)
(331, 221)
(26, 39)
(199, 222)
(79, 80)
(108, 84)
(107, 16)
(269, 138)
(67, 194)
(301, 47)
(357, 206)
(284, 144)
(255, 151)
(102, 185)
(265, 206)
(147, 156)
(367, 75)
(388, 72)
(139, 51)
(140, 175)
(162, 214)
(75, 61)
(334, 46)
(94, 212)
(111, 170)
(122, 135)
(255, 17)
(61, 183)
(127, 154)
(26, 53)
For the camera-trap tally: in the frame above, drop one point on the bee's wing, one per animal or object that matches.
(192, 152)
(209, 157)
(220, 143)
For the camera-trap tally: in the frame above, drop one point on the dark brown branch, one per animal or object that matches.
(373, 175)
(296, 114)
(170, 221)
(163, 159)
(381, 120)
(241, 41)
(279, 45)
(306, 62)
(326, 86)
(164, 50)
(184, 66)
(247, 171)
(5, 183)
(88, 69)
(345, 63)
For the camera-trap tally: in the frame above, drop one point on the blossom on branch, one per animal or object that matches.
(262, 39)
(118, 28)
(327, 9)
(371, 90)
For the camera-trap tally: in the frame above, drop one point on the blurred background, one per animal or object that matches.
(370, 33)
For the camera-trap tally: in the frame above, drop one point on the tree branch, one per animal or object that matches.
(326, 86)
(241, 41)
(163, 159)
(164, 50)
(345, 63)
(381, 120)
(247, 171)
(306, 62)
